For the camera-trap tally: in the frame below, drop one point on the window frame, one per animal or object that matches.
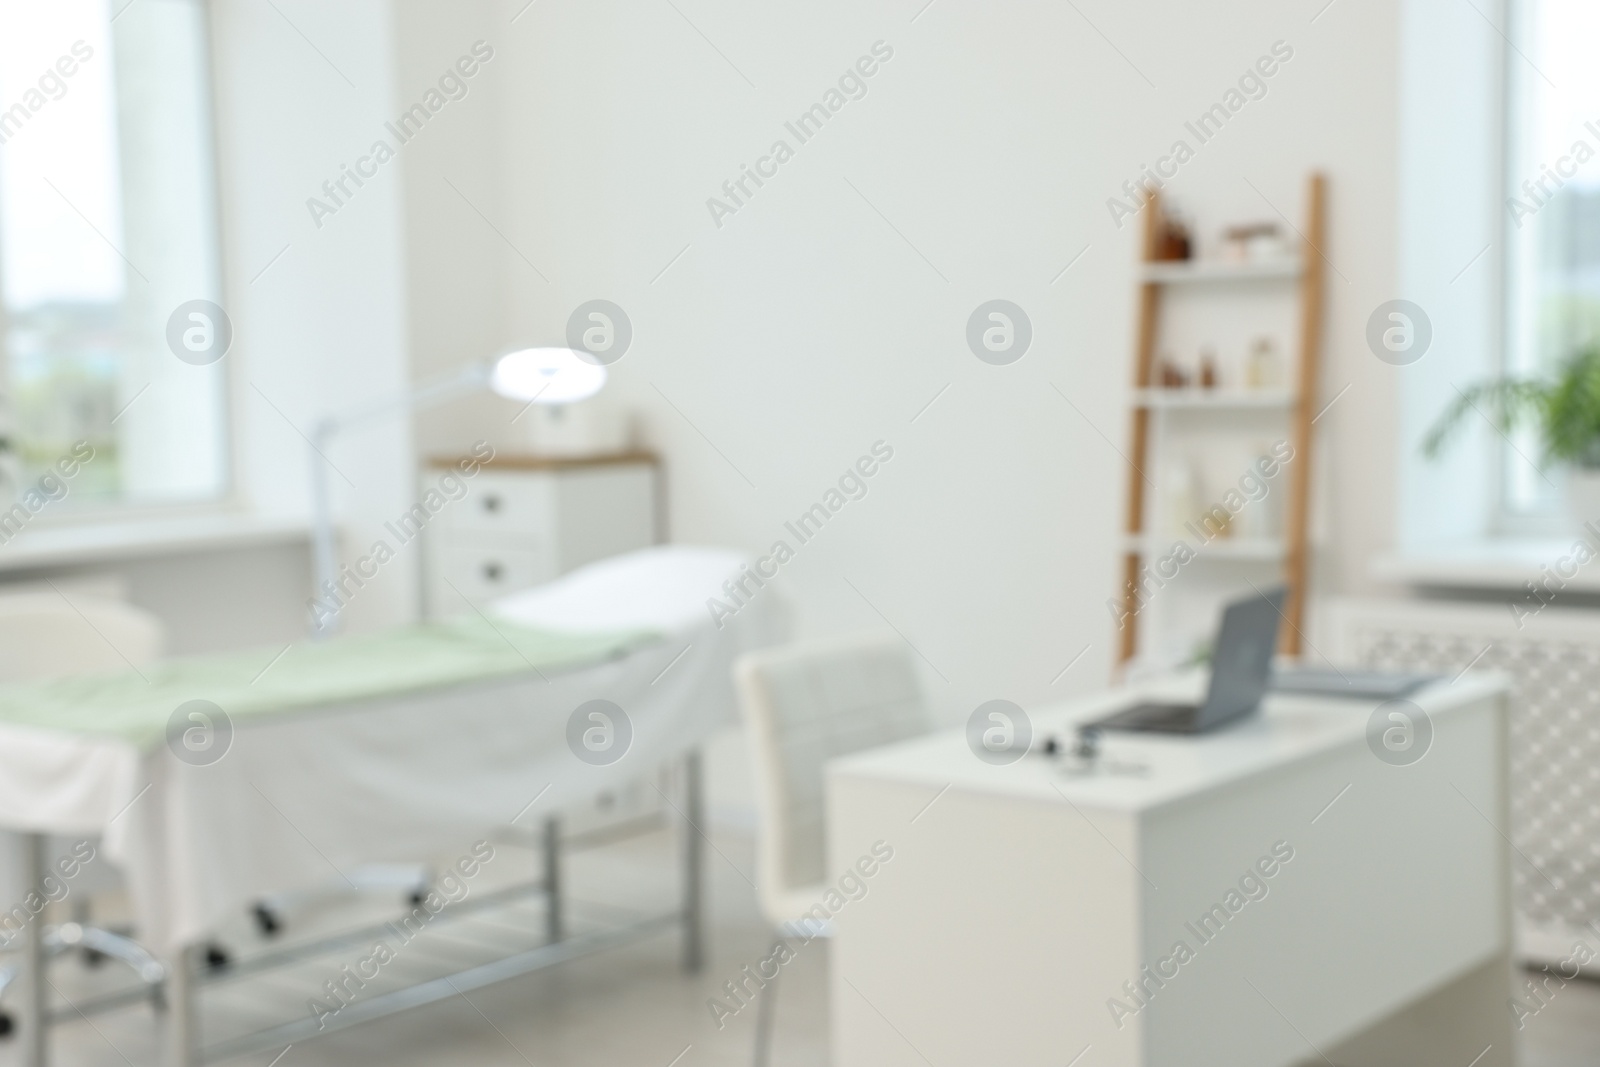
(228, 497)
(1548, 517)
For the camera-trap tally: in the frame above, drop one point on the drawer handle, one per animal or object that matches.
(491, 502)
(492, 571)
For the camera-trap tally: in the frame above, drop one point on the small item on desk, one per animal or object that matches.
(1208, 368)
(1087, 746)
(1085, 759)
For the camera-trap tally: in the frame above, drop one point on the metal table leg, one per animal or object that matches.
(694, 926)
(554, 919)
(35, 1037)
(183, 1020)
(765, 1011)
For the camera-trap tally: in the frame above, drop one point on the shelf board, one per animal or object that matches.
(1266, 549)
(1214, 398)
(1197, 271)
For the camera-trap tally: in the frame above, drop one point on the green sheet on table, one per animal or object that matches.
(136, 705)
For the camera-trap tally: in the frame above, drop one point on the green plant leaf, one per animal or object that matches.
(1565, 409)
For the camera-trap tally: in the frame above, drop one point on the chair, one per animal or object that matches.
(47, 635)
(803, 705)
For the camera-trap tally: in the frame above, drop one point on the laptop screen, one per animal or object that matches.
(1241, 665)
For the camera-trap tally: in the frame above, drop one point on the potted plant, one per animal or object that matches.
(1565, 409)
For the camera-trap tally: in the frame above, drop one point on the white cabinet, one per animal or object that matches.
(525, 520)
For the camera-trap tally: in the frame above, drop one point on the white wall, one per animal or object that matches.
(807, 327)
(457, 302)
(323, 328)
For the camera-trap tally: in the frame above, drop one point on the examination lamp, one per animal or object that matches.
(530, 375)
(546, 376)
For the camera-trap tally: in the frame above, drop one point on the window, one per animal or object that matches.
(107, 227)
(1553, 224)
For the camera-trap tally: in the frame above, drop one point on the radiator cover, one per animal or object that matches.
(1553, 659)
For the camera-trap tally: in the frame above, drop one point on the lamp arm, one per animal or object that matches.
(324, 551)
(470, 379)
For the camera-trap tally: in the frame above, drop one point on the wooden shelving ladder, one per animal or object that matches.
(1158, 275)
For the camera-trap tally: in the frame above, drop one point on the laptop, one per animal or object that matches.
(1240, 671)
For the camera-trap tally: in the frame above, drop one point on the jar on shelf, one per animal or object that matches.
(1182, 495)
(1263, 365)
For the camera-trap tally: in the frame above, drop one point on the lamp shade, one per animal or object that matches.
(546, 376)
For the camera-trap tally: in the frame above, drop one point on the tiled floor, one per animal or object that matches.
(630, 1006)
(1566, 1033)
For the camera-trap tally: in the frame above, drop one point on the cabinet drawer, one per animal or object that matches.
(519, 504)
(484, 572)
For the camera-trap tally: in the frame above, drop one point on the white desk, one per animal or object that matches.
(1020, 901)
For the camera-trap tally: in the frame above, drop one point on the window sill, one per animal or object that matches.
(62, 544)
(1502, 563)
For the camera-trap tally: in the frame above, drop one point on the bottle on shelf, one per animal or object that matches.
(1263, 367)
(1182, 496)
(1172, 375)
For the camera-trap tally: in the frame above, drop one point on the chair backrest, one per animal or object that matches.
(45, 635)
(803, 705)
